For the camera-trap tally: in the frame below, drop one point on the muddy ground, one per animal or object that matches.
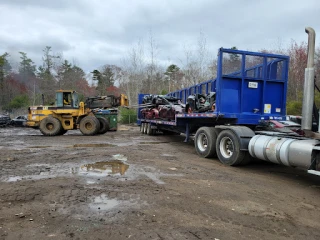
(126, 185)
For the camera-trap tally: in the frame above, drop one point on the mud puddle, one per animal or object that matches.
(40, 146)
(103, 207)
(93, 172)
(166, 155)
(93, 145)
(19, 131)
(103, 203)
(101, 169)
(152, 142)
(97, 172)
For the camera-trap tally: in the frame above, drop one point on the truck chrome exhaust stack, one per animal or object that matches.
(308, 90)
(311, 46)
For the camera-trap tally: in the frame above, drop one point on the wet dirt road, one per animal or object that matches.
(125, 185)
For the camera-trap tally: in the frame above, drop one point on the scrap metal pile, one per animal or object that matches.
(166, 107)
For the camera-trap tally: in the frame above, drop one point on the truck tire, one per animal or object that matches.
(89, 125)
(104, 125)
(50, 126)
(228, 149)
(205, 141)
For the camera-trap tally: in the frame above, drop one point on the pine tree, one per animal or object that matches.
(5, 69)
(27, 68)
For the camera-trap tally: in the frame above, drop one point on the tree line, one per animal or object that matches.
(30, 85)
(140, 72)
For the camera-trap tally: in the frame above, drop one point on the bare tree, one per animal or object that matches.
(298, 63)
(133, 77)
(46, 74)
(151, 67)
(197, 66)
(203, 59)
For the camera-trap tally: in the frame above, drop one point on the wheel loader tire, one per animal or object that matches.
(50, 126)
(104, 125)
(89, 125)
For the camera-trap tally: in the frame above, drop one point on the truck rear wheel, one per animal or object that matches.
(228, 149)
(89, 125)
(50, 126)
(205, 141)
(104, 125)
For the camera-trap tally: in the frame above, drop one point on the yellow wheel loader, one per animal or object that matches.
(68, 114)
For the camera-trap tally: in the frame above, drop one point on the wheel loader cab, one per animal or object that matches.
(67, 99)
(124, 100)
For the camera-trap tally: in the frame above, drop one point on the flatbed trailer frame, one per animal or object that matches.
(241, 96)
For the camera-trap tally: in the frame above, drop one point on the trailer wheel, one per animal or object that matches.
(153, 131)
(149, 129)
(104, 125)
(205, 141)
(228, 149)
(89, 125)
(50, 126)
(145, 126)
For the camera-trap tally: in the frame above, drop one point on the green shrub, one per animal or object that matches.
(127, 116)
(164, 92)
(294, 108)
(19, 102)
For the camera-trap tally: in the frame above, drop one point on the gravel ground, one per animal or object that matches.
(126, 185)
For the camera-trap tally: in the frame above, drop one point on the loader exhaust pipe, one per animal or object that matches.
(308, 90)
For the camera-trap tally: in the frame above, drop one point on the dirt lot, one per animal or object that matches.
(125, 185)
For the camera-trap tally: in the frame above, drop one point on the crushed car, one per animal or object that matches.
(197, 103)
(5, 120)
(161, 107)
(19, 121)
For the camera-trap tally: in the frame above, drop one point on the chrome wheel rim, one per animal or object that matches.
(226, 147)
(202, 142)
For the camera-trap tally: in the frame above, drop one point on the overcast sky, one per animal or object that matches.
(98, 32)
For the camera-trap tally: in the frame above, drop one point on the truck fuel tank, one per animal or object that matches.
(281, 150)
